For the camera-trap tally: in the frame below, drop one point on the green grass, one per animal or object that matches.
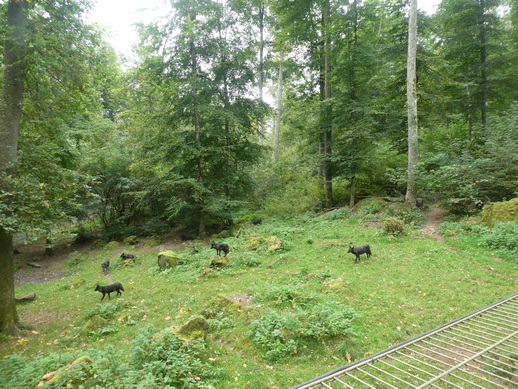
(411, 284)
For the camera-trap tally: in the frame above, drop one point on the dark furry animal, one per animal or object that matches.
(107, 289)
(220, 247)
(127, 256)
(105, 266)
(419, 204)
(365, 249)
(257, 221)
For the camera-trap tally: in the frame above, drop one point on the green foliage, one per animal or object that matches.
(166, 359)
(162, 359)
(104, 310)
(504, 238)
(21, 372)
(274, 332)
(281, 333)
(393, 226)
(338, 214)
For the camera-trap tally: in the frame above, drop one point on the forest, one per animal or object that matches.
(243, 109)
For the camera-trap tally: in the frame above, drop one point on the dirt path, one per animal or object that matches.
(434, 216)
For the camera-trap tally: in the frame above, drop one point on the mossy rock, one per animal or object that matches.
(273, 243)
(112, 245)
(506, 211)
(167, 259)
(131, 240)
(226, 305)
(127, 262)
(195, 328)
(220, 261)
(94, 324)
(254, 242)
(58, 377)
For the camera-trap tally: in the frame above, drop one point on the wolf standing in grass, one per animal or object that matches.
(107, 289)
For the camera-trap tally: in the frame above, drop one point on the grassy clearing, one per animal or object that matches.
(411, 284)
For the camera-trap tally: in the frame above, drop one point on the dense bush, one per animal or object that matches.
(504, 238)
(393, 226)
(282, 333)
(155, 360)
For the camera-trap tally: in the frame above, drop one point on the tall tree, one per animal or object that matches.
(467, 43)
(410, 196)
(10, 116)
(203, 66)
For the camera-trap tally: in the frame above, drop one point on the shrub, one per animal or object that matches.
(280, 334)
(169, 360)
(275, 332)
(393, 226)
(504, 238)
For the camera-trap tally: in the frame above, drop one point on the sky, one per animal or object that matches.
(119, 17)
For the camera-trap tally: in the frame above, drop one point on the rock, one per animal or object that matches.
(26, 298)
(57, 377)
(111, 245)
(274, 243)
(506, 211)
(220, 261)
(228, 305)
(167, 259)
(131, 240)
(195, 328)
(94, 324)
(254, 242)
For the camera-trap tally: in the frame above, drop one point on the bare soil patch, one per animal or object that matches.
(434, 217)
(34, 253)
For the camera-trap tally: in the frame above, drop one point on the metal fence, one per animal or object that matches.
(478, 350)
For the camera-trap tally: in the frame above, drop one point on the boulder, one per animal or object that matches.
(274, 243)
(195, 328)
(94, 324)
(254, 241)
(58, 377)
(506, 211)
(220, 261)
(131, 240)
(228, 305)
(167, 259)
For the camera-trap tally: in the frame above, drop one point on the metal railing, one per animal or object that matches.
(478, 350)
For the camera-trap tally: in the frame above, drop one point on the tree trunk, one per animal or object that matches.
(10, 117)
(261, 67)
(352, 197)
(483, 64)
(411, 91)
(328, 134)
(196, 124)
(278, 114)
